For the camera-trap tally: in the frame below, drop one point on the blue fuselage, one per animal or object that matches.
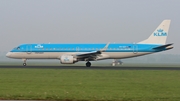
(86, 48)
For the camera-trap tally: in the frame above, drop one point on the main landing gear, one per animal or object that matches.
(88, 64)
(24, 64)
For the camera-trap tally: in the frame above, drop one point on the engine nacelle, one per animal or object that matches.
(67, 59)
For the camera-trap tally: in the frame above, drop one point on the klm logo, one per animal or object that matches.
(66, 59)
(160, 32)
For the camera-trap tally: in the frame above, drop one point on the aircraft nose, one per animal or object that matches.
(8, 54)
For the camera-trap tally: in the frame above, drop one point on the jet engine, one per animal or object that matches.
(67, 59)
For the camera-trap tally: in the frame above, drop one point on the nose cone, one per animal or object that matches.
(8, 54)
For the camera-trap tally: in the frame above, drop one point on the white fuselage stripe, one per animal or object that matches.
(57, 55)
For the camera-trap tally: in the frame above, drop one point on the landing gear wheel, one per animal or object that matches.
(24, 64)
(88, 64)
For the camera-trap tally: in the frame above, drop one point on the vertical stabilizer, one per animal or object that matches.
(159, 36)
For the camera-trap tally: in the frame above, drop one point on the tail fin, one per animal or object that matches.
(159, 36)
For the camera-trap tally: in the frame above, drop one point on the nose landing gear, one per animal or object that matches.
(24, 64)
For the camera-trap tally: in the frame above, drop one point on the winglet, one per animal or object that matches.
(105, 48)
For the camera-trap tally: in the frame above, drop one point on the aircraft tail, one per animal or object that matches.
(159, 36)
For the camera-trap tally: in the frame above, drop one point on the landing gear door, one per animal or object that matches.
(77, 49)
(29, 49)
(135, 48)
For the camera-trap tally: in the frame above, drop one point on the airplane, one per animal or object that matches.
(72, 53)
(116, 62)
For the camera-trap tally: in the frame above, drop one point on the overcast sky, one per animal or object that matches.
(86, 21)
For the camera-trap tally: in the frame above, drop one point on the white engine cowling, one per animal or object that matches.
(67, 59)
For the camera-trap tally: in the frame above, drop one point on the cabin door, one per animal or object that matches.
(29, 49)
(135, 48)
(77, 49)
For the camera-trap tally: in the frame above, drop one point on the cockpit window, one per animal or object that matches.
(17, 48)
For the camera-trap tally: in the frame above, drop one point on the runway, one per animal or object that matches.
(94, 67)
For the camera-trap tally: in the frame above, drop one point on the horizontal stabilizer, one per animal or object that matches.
(164, 46)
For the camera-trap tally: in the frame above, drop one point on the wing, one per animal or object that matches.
(88, 53)
(93, 54)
